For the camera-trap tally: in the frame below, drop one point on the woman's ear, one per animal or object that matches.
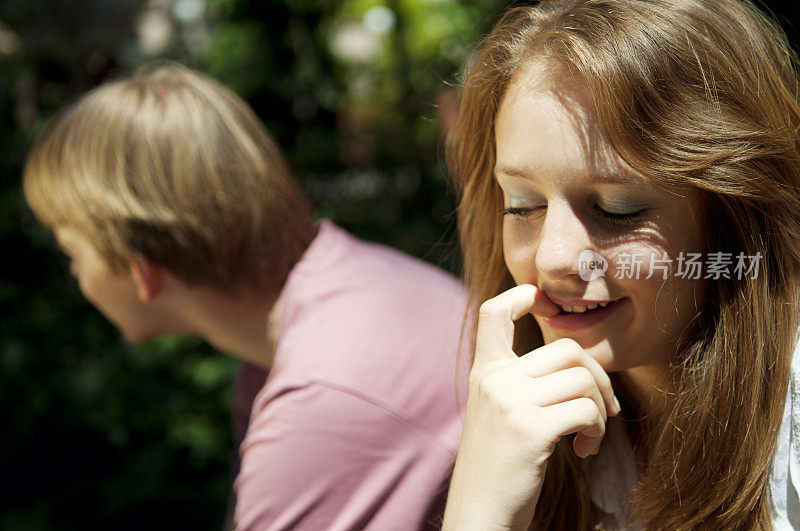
(149, 278)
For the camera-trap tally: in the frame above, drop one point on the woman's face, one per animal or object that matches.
(570, 204)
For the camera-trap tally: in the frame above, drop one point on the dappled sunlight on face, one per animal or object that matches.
(566, 191)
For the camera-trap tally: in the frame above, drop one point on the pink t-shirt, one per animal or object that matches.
(359, 420)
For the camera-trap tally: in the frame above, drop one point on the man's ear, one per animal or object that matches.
(149, 278)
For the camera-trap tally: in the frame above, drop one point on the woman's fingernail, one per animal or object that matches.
(617, 407)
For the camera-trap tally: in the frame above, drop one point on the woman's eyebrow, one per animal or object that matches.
(619, 177)
(511, 172)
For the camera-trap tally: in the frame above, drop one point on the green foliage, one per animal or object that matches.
(99, 435)
(103, 435)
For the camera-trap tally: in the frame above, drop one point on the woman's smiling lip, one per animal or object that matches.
(577, 302)
(578, 321)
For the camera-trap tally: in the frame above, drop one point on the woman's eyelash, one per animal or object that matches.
(631, 218)
(516, 211)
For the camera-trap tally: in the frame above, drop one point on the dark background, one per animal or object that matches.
(100, 435)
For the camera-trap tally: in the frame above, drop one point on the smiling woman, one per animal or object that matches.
(574, 194)
(602, 148)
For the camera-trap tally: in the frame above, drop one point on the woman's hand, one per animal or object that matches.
(518, 408)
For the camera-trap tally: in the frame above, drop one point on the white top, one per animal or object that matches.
(785, 478)
(613, 470)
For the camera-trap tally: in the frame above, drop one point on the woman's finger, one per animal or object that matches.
(495, 334)
(578, 416)
(566, 385)
(564, 354)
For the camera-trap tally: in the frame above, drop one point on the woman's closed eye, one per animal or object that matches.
(622, 218)
(620, 211)
(518, 211)
(613, 217)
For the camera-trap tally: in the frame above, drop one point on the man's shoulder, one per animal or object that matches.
(368, 280)
(393, 267)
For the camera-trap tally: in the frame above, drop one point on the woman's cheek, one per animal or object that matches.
(637, 260)
(520, 258)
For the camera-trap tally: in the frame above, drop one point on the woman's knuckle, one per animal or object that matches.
(587, 409)
(490, 386)
(571, 351)
(584, 380)
(569, 344)
(488, 308)
(592, 417)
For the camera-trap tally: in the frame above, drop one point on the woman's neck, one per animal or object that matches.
(649, 388)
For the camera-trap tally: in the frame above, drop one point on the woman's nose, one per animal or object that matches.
(561, 241)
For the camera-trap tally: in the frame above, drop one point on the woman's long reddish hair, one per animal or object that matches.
(700, 93)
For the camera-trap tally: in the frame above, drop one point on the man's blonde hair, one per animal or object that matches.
(170, 165)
